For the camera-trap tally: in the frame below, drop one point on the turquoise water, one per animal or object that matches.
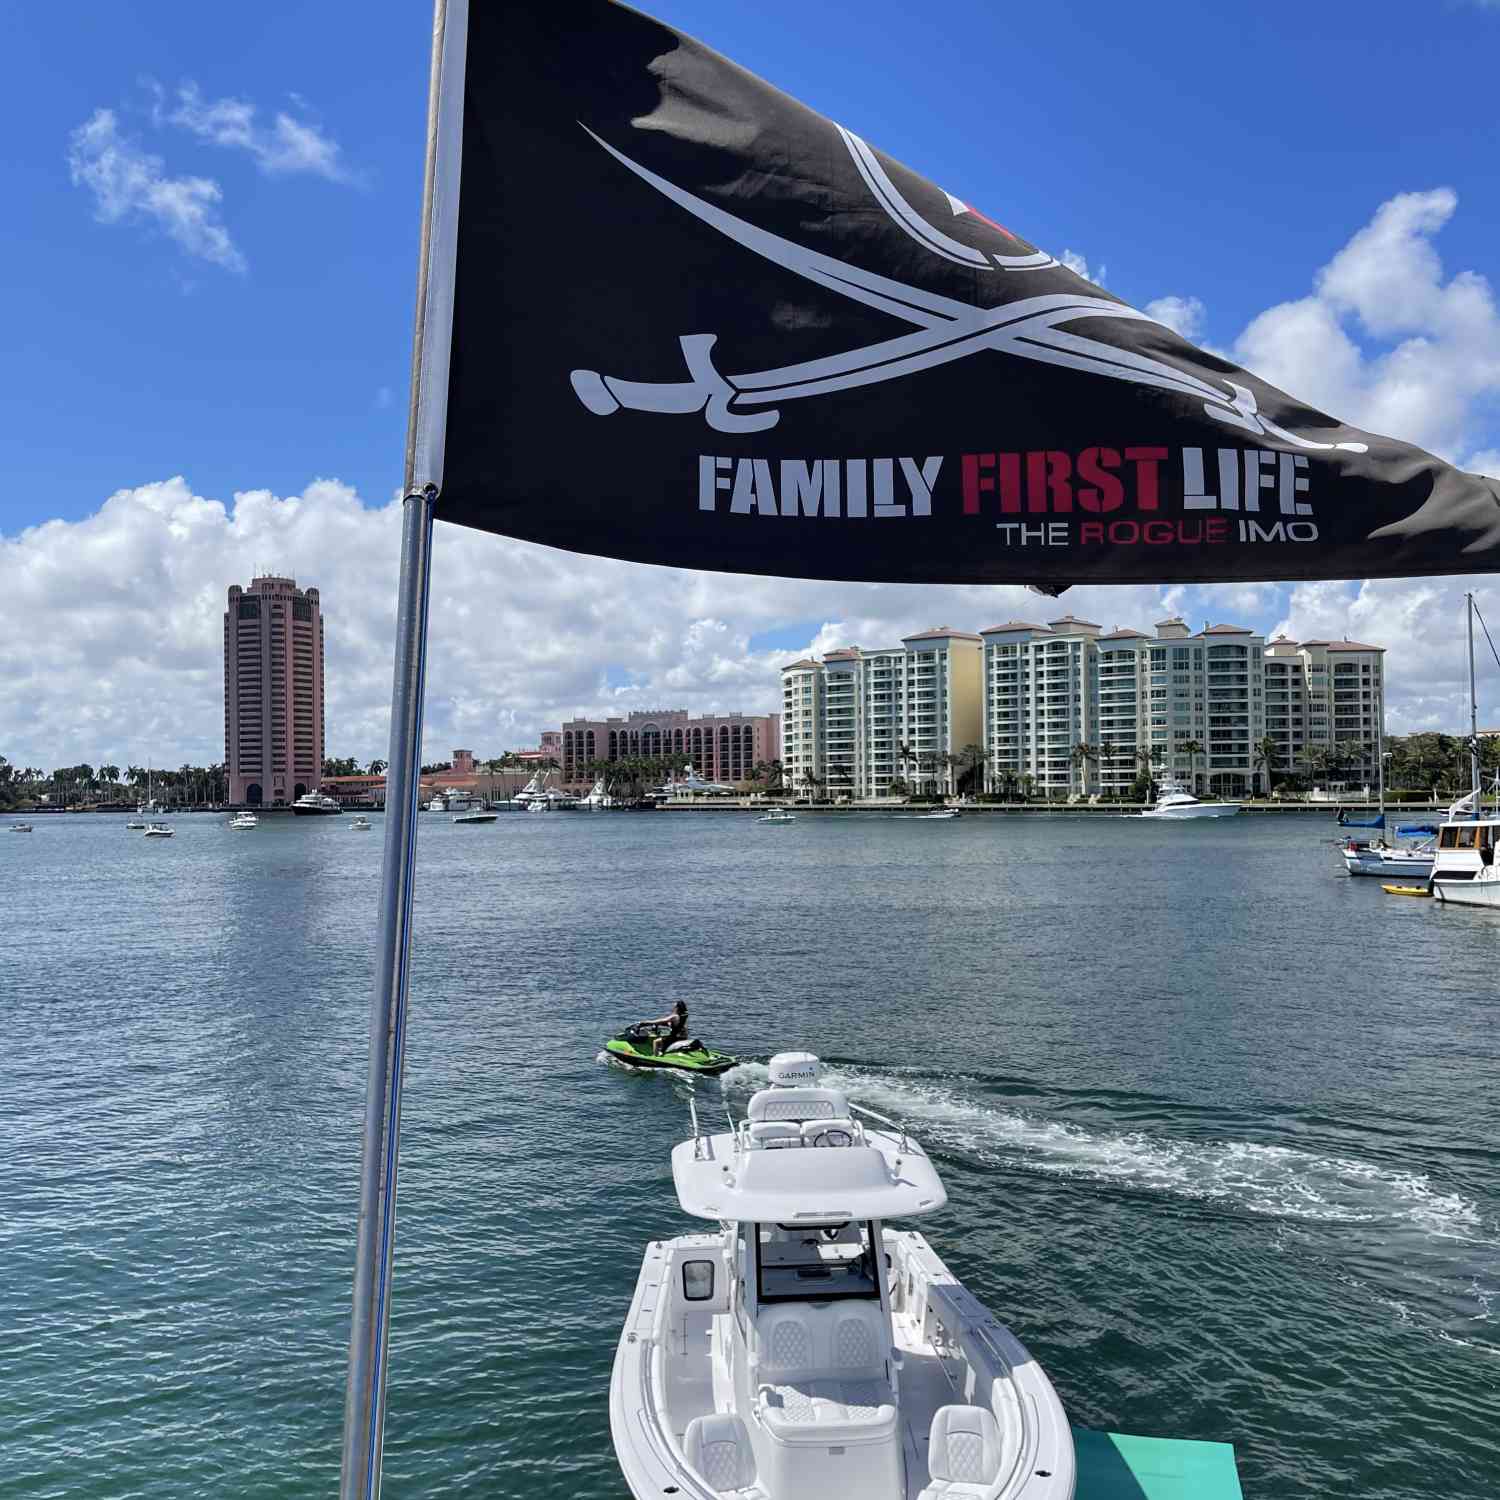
(1218, 1126)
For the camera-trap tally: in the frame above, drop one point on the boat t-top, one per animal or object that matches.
(803, 1350)
(159, 831)
(1173, 800)
(244, 820)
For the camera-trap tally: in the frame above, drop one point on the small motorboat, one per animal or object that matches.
(942, 813)
(633, 1049)
(474, 815)
(136, 824)
(159, 831)
(244, 820)
(20, 827)
(361, 824)
(777, 815)
(800, 1347)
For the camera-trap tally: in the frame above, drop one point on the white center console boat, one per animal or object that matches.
(805, 1351)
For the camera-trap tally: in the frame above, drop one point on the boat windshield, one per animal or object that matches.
(802, 1263)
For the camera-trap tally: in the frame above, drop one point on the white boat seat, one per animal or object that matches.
(718, 1447)
(822, 1374)
(775, 1133)
(838, 1131)
(797, 1104)
(963, 1453)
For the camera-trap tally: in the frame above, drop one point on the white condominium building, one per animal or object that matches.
(1071, 710)
(858, 722)
(1326, 696)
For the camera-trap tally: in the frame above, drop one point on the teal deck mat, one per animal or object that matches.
(1114, 1466)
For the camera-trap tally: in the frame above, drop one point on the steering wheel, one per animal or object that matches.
(833, 1137)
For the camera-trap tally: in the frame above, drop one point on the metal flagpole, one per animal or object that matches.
(364, 1399)
(1473, 708)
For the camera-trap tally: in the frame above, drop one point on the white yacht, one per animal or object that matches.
(597, 797)
(803, 1350)
(437, 804)
(244, 820)
(531, 791)
(552, 800)
(316, 805)
(1173, 800)
(1464, 872)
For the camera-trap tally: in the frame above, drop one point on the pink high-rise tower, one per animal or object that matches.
(273, 692)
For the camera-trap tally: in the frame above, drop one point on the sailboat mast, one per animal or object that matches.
(1473, 710)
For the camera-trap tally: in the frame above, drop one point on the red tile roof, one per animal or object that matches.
(1125, 635)
(1344, 645)
(1227, 630)
(942, 633)
(1015, 625)
(1074, 620)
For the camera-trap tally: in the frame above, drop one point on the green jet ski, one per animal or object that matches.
(632, 1049)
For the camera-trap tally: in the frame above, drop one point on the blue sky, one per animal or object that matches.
(1217, 153)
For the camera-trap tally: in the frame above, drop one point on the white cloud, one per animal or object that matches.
(1080, 267)
(1432, 372)
(1183, 315)
(121, 611)
(131, 186)
(288, 146)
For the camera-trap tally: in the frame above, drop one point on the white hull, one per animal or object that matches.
(1385, 866)
(1467, 892)
(1196, 810)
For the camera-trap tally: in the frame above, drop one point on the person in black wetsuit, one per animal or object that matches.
(676, 1020)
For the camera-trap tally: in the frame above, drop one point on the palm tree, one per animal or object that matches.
(970, 759)
(1192, 749)
(1080, 756)
(1267, 758)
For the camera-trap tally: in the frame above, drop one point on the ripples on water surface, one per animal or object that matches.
(1218, 1126)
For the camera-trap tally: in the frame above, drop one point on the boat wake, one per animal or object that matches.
(1253, 1178)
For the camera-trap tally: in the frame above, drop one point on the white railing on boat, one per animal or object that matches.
(895, 1125)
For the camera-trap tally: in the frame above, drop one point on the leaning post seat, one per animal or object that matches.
(797, 1104)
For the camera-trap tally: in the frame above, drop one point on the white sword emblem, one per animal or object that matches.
(946, 329)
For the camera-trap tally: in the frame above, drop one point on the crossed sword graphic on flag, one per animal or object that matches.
(945, 329)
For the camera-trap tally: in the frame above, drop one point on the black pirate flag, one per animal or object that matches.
(695, 323)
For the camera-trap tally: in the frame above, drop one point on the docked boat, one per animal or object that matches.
(436, 804)
(777, 815)
(1174, 801)
(317, 805)
(531, 791)
(803, 1349)
(244, 820)
(159, 831)
(633, 1049)
(1388, 860)
(598, 798)
(474, 815)
(20, 827)
(1464, 872)
(551, 799)
(361, 824)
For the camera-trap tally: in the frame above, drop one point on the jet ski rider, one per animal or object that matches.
(676, 1022)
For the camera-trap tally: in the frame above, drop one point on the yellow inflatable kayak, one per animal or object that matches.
(1406, 890)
